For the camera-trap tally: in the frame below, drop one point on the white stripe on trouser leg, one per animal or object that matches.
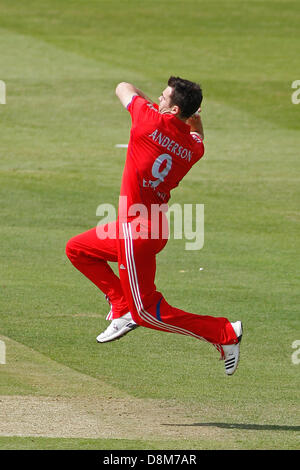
(128, 261)
(146, 316)
(109, 315)
(134, 282)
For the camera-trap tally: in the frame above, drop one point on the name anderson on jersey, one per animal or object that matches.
(171, 145)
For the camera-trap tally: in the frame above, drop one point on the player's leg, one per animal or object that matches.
(148, 306)
(90, 254)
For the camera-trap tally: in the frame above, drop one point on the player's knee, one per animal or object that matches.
(71, 251)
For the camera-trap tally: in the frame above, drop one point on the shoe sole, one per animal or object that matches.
(118, 336)
(242, 332)
(239, 342)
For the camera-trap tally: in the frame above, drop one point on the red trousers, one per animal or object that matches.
(134, 290)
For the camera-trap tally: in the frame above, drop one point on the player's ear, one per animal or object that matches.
(175, 110)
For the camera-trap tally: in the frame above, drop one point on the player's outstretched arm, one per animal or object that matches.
(126, 91)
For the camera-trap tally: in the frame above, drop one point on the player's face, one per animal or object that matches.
(165, 102)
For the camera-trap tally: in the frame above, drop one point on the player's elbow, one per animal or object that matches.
(121, 87)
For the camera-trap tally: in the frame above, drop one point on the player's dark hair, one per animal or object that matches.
(186, 95)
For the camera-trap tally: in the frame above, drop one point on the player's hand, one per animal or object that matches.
(195, 122)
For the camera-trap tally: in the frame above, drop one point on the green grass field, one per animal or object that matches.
(61, 61)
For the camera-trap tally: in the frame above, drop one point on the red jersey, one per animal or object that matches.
(161, 151)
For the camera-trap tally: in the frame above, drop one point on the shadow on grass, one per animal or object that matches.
(254, 427)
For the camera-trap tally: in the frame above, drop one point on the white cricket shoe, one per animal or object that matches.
(118, 328)
(232, 351)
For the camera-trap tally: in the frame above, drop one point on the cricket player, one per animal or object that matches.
(166, 140)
